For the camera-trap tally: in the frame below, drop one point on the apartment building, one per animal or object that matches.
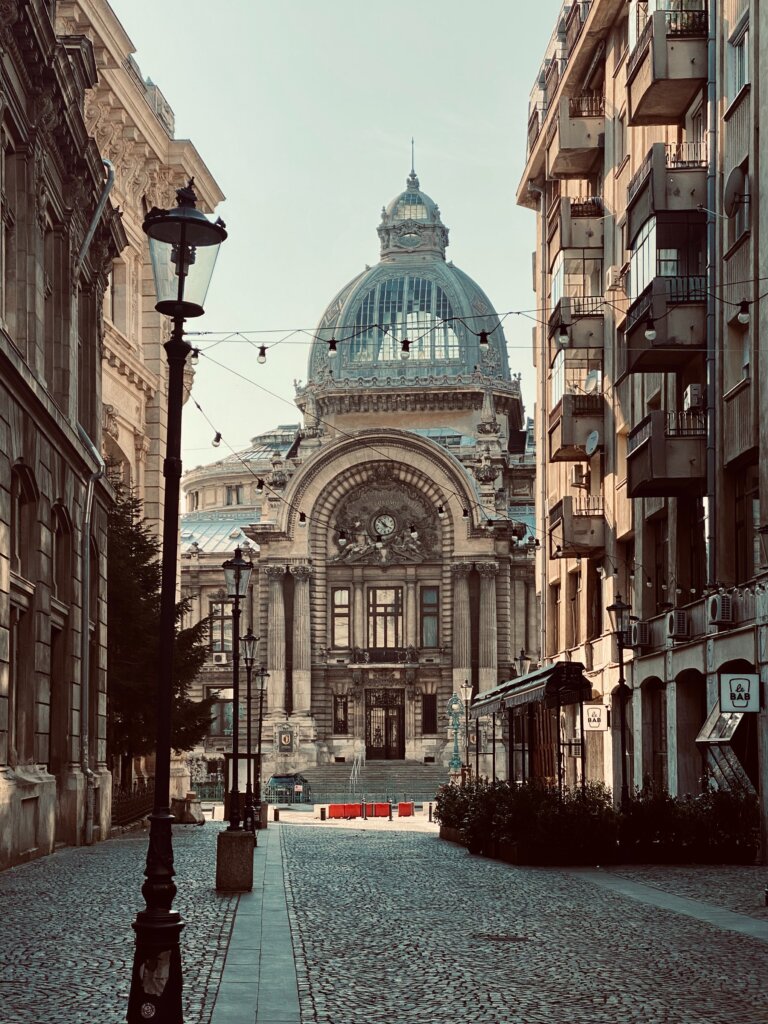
(642, 144)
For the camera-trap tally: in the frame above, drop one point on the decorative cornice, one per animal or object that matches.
(302, 573)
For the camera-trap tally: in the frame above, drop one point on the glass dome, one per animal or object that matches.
(412, 294)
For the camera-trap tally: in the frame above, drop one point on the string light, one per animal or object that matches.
(483, 339)
(342, 538)
(262, 356)
(405, 349)
(743, 315)
(465, 513)
(216, 440)
(414, 531)
(194, 357)
(332, 350)
(259, 484)
(379, 541)
(440, 512)
(302, 519)
(650, 329)
(563, 338)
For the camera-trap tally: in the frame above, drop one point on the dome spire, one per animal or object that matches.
(413, 181)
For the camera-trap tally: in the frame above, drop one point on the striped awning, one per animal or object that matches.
(558, 684)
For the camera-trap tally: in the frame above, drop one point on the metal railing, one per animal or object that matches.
(589, 505)
(680, 291)
(355, 776)
(683, 155)
(638, 178)
(677, 24)
(587, 206)
(128, 805)
(591, 104)
(388, 655)
(675, 424)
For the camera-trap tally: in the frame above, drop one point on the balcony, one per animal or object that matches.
(571, 421)
(576, 136)
(667, 67)
(582, 318)
(576, 223)
(576, 527)
(666, 455)
(677, 307)
(671, 178)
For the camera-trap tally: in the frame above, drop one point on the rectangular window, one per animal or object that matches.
(221, 712)
(340, 716)
(340, 617)
(738, 60)
(221, 626)
(385, 616)
(429, 713)
(430, 602)
(747, 523)
(234, 494)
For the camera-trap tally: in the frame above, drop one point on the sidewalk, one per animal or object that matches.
(258, 985)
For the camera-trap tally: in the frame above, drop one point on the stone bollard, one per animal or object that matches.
(187, 811)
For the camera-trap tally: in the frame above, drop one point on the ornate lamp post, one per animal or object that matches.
(183, 246)
(466, 698)
(454, 710)
(249, 643)
(619, 613)
(237, 576)
(262, 675)
(523, 662)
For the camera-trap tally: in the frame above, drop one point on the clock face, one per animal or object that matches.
(384, 524)
(409, 240)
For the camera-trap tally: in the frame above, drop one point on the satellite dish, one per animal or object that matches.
(734, 194)
(593, 442)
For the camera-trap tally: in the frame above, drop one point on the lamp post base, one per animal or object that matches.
(234, 861)
(156, 982)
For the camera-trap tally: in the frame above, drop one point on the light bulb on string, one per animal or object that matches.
(743, 315)
(332, 350)
(262, 356)
(440, 512)
(483, 342)
(302, 519)
(342, 538)
(650, 329)
(413, 531)
(216, 439)
(405, 349)
(379, 541)
(194, 357)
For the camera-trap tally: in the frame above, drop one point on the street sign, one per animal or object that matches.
(739, 691)
(298, 789)
(595, 718)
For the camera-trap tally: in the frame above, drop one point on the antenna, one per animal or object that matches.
(413, 160)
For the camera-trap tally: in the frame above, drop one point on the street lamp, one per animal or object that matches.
(263, 675)
(248, 643)
(237, 576)
(523, 662)
(466, 697)
(183, 246)
(619, 613)
(454, 710)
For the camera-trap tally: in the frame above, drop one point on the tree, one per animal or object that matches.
(133, 609)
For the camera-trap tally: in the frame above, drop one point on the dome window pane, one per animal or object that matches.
(411, 207)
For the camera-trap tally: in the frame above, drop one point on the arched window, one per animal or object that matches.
(61, 553)
(24, 496)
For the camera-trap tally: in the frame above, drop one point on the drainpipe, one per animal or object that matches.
(85, 647)
(710, 518)
(542, 439)
(85, 537)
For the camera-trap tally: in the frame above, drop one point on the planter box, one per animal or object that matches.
(450, 835)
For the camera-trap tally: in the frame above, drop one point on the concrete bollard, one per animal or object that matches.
(430, 812)
(322, 814)
(276, 814)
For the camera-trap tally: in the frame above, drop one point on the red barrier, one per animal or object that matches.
(405, 810)
(377, 810)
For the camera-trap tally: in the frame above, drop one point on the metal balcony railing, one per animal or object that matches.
(676, 424)
(684, 155)
(587, 206)
(680, 292)
(677, 24)
(591, 104)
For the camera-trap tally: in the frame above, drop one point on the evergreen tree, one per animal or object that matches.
(133, 609)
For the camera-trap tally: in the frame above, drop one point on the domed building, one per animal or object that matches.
(391, 532)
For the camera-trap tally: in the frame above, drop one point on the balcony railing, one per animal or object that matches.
(683, 155)
(589, 505)
(587, 206)
(591, 104)
(534, 127)
(676, 424)
(638, 178)
(576, 17)
(680, 291)
(385, 655)
(677, 24)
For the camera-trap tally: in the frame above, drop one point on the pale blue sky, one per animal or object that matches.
(303, 110)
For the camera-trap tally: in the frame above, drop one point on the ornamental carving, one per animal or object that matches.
(301, 573)
(461, 570)
(274, 573)
(385, 522)
(487, 569)
(109, 420)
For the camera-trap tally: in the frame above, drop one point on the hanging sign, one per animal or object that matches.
(739, 691)
(595, 718)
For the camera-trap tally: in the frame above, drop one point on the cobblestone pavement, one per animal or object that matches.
(404, 928)
(737, 888)
(67, 941)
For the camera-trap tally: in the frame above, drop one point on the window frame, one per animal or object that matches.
(339, 614)
(218, 633)
(378, 612)
(429, 612)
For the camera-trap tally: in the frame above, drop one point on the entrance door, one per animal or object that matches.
(384, 725)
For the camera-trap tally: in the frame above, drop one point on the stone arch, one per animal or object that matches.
(653, 734)
(630, 697)
(687, 713)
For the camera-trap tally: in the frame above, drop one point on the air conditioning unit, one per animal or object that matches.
(220, 658)
(639, 635)
(677, 624)
(693, 398)
(720, 610)
(612, 279)
(578, 476)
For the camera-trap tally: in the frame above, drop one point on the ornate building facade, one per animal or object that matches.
(391, 530)
(81, 385)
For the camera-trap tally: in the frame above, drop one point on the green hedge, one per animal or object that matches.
(578, 827)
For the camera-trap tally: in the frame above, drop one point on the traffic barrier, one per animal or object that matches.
(405, 810)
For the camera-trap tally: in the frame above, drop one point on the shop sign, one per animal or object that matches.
(595, 718)
(739, 691)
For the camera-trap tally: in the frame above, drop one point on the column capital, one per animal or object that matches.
(461, 570)
(274, 572)
(302, 573)
(487, 569)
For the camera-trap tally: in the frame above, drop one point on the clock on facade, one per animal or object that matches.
(384, 524)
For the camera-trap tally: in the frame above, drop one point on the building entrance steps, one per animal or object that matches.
(378, 780)
(258, 984)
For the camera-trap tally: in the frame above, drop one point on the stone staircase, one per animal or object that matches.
(378, 780)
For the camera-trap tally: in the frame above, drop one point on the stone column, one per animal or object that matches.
(358, 616)
(462, 630)
(302, 662)
(276, 640)
(411, 630)
(487, 652)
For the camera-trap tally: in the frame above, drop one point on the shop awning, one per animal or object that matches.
(561, 683)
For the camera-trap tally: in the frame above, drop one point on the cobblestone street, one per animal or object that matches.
(389, 923)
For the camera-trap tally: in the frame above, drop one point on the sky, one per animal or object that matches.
(304, 110)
